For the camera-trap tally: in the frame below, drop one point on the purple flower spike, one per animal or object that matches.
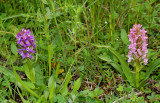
(26, 42)
(138, 44)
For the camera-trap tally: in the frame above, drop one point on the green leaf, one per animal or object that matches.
(66, 82)
(125, 67)
(85, 92)
(57, 71)
(14, 49)
(62, 99)
(76, 85)
(29, 84)
(152, 1)
(91, 94)
(50, 82)
(45, 2)
(90, 100)
(153, 97)
(120, 88)
(157, 85)
(124, 37)
(51, 86)
(128, 89)
(98, 91)
(23, 84)
(147, 91)
(65, 92)
(38, 75)
(42, 99)
(4, 101)
(29, 70)
(7, 72)
(114, 64)
(152, 67)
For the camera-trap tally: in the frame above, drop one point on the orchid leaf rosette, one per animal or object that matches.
(26, 49)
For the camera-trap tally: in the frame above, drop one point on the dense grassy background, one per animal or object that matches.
(66, 31)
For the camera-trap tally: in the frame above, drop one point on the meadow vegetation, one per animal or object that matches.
(79, 51)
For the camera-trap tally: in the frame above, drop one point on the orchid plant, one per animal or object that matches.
(27, 47)
(137, 55)
(138, 49)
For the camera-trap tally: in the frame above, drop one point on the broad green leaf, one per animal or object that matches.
(65, 92)
(70, 60)
(46, 93)
(4, 101)
(55, 98)
(45, 2)
(13, 29)
(57, 71)
(152, 1)
(62, 99)
(51, 86)
(85, 92)
(90, 100)
(91, 94)
(14, 49)
(23, 84)
(77, 85)
(152, 67)
(66, 82)
(114, 64)
(124, 37)
(42, 99)
(120, 88)
(125, 67)
(29, 70)
(29, 84)
(148, 91)
(7, 72)
(50, 82)
(98, 91)
(38, 75)
(128, 89)
(157, 85)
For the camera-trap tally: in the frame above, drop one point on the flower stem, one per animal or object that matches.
(137, 74)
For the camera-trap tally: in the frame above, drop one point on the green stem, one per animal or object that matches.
(137, 74)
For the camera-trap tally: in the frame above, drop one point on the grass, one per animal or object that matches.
(65, 33)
